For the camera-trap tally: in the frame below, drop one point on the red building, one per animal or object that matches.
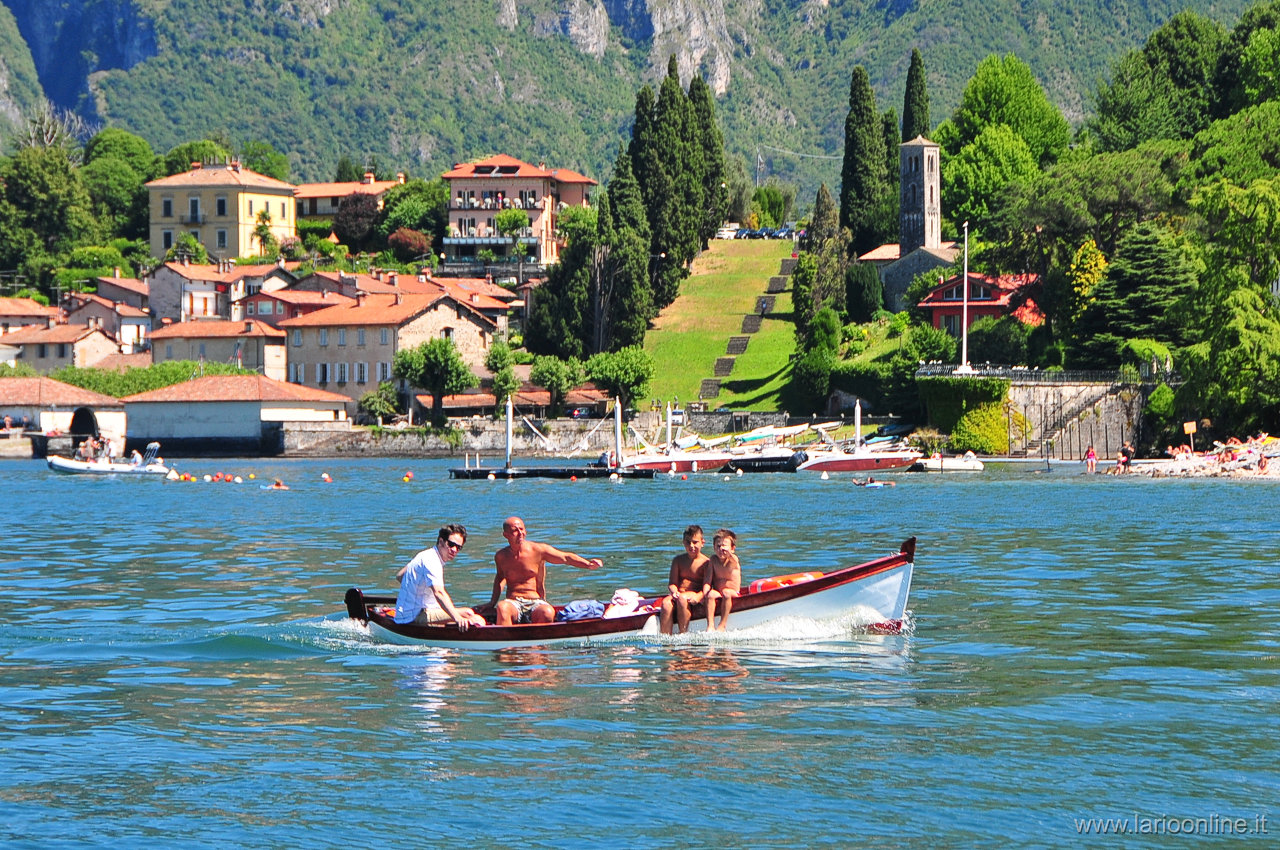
(1006, 295)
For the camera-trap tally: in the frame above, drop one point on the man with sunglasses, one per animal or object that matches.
(423, 600)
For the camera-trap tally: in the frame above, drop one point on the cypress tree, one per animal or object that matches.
(915, 104)
(829, 245)
(863, 180)
(715, 192)
(681, 158)
(624, 266)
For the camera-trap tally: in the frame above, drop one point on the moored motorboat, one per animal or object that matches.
(968, 462)
(873, 595)
(860, 460)
(148, 465)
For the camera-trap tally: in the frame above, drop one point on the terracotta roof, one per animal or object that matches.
(303, 297)
(46, 392)
(529, 395)
(25, 307)
(132, 284)
(235, 388)
(223, 175)
(378, 309)
(124, 362)
(217, 329)
(891, 251)
(209, 271)
(122, 309)
(502, 165)
(339, 190)
(58, 333)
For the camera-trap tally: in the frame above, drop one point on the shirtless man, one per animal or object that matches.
(725, 577)
(687, 583)
(522, 567)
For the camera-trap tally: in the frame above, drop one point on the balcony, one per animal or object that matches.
(192, 219)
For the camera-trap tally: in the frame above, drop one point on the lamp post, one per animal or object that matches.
(964, 366)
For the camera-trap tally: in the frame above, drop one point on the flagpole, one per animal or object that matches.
(964, 366)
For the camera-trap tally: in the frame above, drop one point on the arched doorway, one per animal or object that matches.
(83, 424)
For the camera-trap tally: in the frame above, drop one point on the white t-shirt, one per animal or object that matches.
(425, 571)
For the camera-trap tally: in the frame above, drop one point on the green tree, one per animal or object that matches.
(179, 159)
(803, 278)
(981, 171)
(1000, 340)
(417, 204)
(186, 245)
(119, 196)
(864, 293)
(658, 191)
(915, 103)
(500, 362)
(624, 373)
(437, 367)
(1088, 267)
(114, 143)
(623, 294)
(1236, 69)
(558, 322)
(511, 223)
(557, 377)
(263, 158)
(346, 171)
(1003, 90)
(710, 140)
(829, 244)
(864, 181)
(381, 403)
(354, 222)
(267, 243)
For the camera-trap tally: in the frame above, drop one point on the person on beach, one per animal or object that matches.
(522, 567)
(687, 583)
(725, 573)
(1125, 458)
(423, 600)
(1091, 460)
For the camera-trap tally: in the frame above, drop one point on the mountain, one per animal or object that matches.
(425, 84)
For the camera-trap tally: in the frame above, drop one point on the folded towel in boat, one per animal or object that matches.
(581, 609)
(625, 601)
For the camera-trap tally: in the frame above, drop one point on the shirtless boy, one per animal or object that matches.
(725, 577)
(522, 567)
(687, 583)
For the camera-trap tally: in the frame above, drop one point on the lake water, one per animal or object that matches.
(175, 665)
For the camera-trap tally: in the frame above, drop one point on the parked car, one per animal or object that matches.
(582, 413)
(743, 233)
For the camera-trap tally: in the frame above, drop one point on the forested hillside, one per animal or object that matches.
(20, 93)
(426, 84)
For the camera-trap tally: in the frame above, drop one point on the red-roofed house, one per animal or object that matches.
(128, 324)
(50, 349)
(1006, 295)
(276, 306)
(249, 344)
(228, 414)
(124, 290)
(321, 200)
(529, 399)
(334, 348)
(47, 405)
(182, 291)
(479, 190)
(219, 205)
(18, 313)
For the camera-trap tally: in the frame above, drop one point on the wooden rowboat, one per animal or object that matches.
(873, 595)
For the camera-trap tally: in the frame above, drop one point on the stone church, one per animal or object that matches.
(920, 247)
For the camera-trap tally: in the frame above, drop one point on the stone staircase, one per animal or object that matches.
(751, 323)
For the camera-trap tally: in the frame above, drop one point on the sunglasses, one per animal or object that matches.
(453, 544)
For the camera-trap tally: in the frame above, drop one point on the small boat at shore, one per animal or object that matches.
(872, 594)
(150, 465)
(968, 462)
(860, 460)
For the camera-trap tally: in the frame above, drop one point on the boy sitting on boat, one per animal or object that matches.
(725, 574)
(687, 583)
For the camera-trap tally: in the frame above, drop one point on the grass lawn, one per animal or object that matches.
(688, 336)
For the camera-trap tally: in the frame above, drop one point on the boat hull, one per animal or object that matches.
(709, 461)
(872, 595)
(67, 466)
(948, 464)
(858, 461)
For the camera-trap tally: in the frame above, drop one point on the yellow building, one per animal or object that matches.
(219, 205)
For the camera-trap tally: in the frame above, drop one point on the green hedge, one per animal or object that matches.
(947, 400)
(982, 430)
